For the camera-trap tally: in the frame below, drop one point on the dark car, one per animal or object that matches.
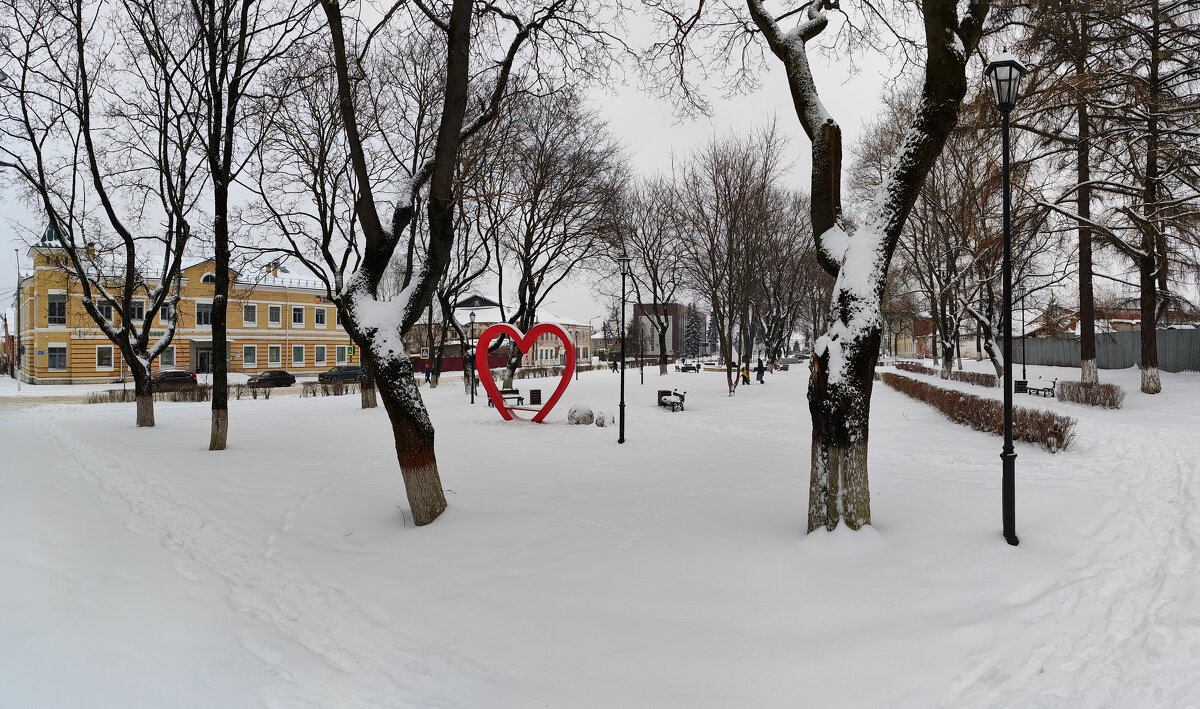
(173, 380)
(273, 378)
(342, 372)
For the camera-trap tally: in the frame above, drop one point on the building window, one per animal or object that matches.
(297, 355)
(298, 316)
(58, 358)
(249, 355)
(57, 304)
(319, 317)
(164, 314)
(203, 314)
(209, 278)
(319, 355)
(167, 358)
(137, 311)
(341, 354)
(104, 358)
(105, 311)
(274, 353)
(337, 318)
(249, 314)
(274, 315)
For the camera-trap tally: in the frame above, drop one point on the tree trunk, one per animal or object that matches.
(1087, 314)
(838, 486)
(220, 339)
(367, 389)
(1151, 383)
(662, 351)
(414, 437)
(145, 398)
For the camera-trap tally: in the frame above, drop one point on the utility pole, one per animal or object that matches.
(17, 344)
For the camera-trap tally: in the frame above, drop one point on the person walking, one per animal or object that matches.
(759, 370)
(427, 374)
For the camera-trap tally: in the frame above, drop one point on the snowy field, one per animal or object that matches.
(141, 570)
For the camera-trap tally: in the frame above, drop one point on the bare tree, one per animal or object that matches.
(554, 201)
(648, 231)
(96, 110)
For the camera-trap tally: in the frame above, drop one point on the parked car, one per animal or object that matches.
(273, 378)
(342, 372)
(173, 380)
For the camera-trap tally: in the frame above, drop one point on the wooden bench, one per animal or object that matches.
(510, 395)
(782, 368)
(672, 400)
(1043, 391)
(687, 368)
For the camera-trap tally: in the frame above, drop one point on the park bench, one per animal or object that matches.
(687, 368)
(1043, 391)
(672, 400)
(510, 396)
(782, 368)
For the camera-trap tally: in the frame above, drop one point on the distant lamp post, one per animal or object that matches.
(624, 260)
(1023, 294)
(577, 353)
(1005, 73)
(471, 376)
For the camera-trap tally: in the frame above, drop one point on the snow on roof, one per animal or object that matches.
(492, 315)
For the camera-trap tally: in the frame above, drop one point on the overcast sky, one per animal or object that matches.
(652, 135)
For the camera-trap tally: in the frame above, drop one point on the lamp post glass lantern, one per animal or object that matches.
(1005, 72)
(624, 260)
(471, 374)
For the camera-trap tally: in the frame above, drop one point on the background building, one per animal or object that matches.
(273, 324)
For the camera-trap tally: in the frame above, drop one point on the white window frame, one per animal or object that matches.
(162, 355)
(112, 358)
(278, 351)
(298, 362)
(196, 315)
(341, 356)
(337, 318)
(318, 355)
(247, 322)
(320, 319)
(66, 308)
(275, 310)
(205, 278)
(66, 356)
(164, 314)
(133, 309)
(246, 362)
(298, 309)
(106, 310)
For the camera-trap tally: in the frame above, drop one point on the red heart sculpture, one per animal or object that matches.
(523, 343)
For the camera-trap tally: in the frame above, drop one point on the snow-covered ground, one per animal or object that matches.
(141, 570)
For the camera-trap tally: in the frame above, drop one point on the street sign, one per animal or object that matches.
(41, 351)
(350, 350)
(424, 353)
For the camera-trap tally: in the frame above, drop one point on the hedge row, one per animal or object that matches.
(334, 388)
(200, 392)
(976, 378)
(1051, 431)
(1110, 396)
(915, 368)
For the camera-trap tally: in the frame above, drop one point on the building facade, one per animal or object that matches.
(272, 324)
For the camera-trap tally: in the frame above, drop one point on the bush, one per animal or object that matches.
(335, 388)
(241, 389)
(1110, 396)
(110, 396)
(977, 378)
(1051, 431)
(915, 368)
(200, 392)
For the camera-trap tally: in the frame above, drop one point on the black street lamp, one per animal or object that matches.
(624, 261)
(577, 354)
(641, 354)
(471, 376)
(1005, 72)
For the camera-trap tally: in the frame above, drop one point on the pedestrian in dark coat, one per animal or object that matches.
(759, 370)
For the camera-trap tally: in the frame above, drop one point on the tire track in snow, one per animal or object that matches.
(378, 673)
(1125, 630)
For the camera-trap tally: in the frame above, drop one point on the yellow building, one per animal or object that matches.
(273, 324)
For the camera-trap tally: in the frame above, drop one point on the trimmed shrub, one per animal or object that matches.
(1109, 396)
(915, 368)
(981, 379)
(1051, 431)
(335, 388)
